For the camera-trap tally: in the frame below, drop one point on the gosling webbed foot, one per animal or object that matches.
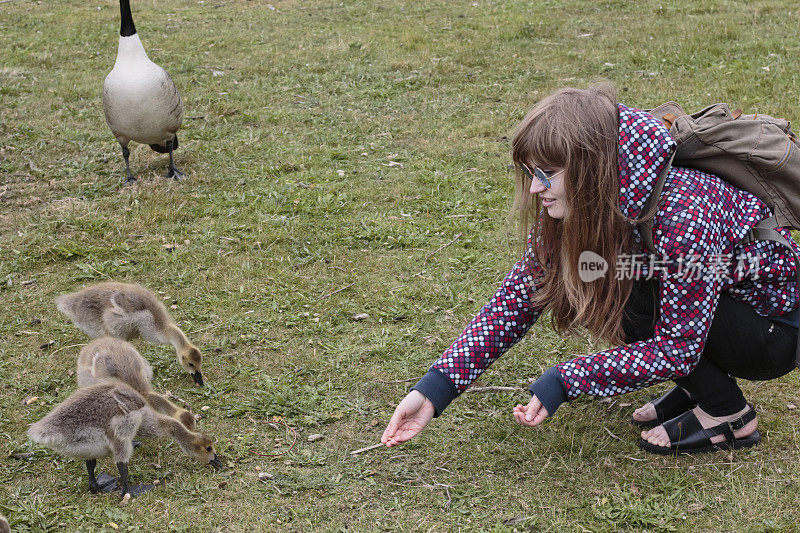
(105, 483)
(139, 489)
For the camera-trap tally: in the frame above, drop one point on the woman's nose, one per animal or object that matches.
(537, 187)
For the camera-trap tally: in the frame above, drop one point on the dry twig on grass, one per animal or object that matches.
(336, 291)
(442, 247)
(493, 389)
(368, 448)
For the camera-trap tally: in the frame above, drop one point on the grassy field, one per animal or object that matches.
(342, 145)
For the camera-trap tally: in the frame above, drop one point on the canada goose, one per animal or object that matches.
(102, 420)
(140, 100)
(125, 310)
(109, 358)
(4, 528)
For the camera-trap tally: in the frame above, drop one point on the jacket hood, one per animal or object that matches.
(645, 147)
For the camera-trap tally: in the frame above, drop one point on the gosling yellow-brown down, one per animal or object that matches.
(125, 311)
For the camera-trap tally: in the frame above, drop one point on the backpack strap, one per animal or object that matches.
(766, 229)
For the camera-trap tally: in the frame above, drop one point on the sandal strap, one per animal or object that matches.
(728, 428)
(673, 402)
(686, 431)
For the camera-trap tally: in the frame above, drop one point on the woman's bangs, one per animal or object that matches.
(546, 145)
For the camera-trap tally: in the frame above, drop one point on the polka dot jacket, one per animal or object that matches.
(700, 221)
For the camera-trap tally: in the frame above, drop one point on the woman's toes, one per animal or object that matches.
(657, 436)
(645, 413)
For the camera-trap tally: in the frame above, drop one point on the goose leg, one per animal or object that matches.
(94, 487)
(173, 172)
(123, 477)
(128, 176)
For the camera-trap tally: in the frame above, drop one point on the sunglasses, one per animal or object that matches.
(544, 176)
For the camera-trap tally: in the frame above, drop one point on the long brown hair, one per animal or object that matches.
(577, 130)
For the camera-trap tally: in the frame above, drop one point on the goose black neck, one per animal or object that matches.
(126, 28)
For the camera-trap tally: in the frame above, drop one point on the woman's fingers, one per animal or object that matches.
(533, 408)
(530, 415)
(390, 430)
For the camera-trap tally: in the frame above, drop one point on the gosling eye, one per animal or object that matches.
(191, 365)
(208, 448)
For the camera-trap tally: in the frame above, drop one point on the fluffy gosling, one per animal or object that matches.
(102, 420)
(109, 358)
(127, 310)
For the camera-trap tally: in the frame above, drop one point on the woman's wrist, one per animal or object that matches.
(549, 389)
(438, 389)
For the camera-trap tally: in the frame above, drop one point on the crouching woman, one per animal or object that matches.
(702, 310)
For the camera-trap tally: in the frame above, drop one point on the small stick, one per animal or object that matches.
(492, 389)
(179, 400)
(368, 448)
(609, 432)
(336, 291)
(93, 268)
(65, 347)
(442, 247)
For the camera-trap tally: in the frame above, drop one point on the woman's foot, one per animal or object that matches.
(658, 435)
(646, 413)
(674, 402)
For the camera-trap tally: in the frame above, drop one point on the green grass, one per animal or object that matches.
(290, 196)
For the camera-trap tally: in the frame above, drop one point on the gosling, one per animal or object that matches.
(109, 358)
(102, 420)
(4, 527)
(127, 310)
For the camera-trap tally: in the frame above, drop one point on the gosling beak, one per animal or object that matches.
(198, 378)
(215, 462)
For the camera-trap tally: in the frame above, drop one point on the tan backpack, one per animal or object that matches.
(757, 153)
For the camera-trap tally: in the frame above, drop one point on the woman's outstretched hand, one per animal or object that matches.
(530, 415)
(409, 418)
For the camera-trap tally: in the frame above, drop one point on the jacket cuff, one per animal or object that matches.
(438, 389)
(549, 389)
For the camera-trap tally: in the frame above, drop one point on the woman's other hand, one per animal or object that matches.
(530, 415)
(409, 418)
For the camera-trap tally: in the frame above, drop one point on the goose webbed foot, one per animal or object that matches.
(173, 172)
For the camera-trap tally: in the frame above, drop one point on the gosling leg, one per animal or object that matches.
(173, 172)
(128, 176)
(94, 487)
(123, 477)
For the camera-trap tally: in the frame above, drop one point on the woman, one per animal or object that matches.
(585, 169)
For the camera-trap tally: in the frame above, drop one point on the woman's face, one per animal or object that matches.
(553, 199)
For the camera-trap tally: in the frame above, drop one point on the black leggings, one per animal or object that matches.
(740, 344)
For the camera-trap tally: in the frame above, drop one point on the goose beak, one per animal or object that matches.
(215, 462)
(198, 378)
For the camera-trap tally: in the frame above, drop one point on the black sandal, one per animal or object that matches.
(673, 403)
(687, 435)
